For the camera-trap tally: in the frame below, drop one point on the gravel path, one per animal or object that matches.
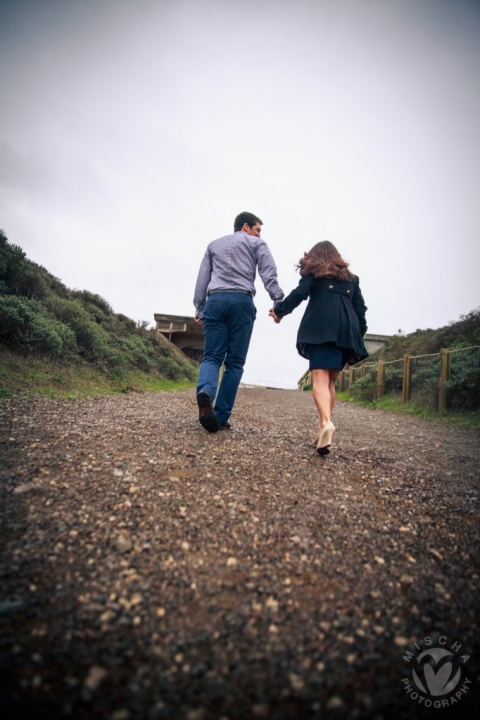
(151, 570)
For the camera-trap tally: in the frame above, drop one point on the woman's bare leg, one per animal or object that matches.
(333, 374)
(323, 382)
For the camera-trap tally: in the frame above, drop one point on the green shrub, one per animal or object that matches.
(463, 387)
(67, 310)
(424, 381)
(137, 352)
(125, 324)
(393, 379)
(27, 324)
(12, 260)
(169, 368)
(365, 388)
(92, 340)
(89, 299)
(31, 282)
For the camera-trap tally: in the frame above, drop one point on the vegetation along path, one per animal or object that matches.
(150, 570)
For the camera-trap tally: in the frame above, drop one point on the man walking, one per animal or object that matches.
(224, 303)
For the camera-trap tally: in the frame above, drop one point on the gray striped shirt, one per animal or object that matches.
(230, 263)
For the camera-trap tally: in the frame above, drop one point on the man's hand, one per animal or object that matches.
(276, 319)
(199, 321)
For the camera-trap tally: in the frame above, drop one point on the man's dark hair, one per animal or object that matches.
(245, 217)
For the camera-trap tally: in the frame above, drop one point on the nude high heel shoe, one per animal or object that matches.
(325, 438)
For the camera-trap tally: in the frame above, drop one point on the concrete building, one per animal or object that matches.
(183, 332)
(375, 342)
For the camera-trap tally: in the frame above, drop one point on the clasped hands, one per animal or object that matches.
(276, 319)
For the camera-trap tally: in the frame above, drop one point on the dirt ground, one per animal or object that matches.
(151, 570)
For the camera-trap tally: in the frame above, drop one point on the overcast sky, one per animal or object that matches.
(133, 131)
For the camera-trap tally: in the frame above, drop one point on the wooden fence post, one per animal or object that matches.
(444, 377)
(363, 370)
(381, 379)
(341, 386)
(407, 378)
(351, 379)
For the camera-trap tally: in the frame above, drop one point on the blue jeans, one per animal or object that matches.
(227, 326)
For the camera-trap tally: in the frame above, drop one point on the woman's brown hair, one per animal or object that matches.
(324, 260)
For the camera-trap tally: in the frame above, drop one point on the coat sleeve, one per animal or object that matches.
(360, 307)
(301, 293)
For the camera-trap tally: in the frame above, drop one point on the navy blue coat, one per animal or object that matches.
(335, 314)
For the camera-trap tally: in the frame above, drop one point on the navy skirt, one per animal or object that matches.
(327, 356)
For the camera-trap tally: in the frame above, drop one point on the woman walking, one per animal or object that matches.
(332, 329)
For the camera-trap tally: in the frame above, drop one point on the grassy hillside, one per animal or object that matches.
(462, 386)
(48, 331)
(463, 333)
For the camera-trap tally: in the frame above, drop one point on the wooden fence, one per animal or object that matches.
(428, 375)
